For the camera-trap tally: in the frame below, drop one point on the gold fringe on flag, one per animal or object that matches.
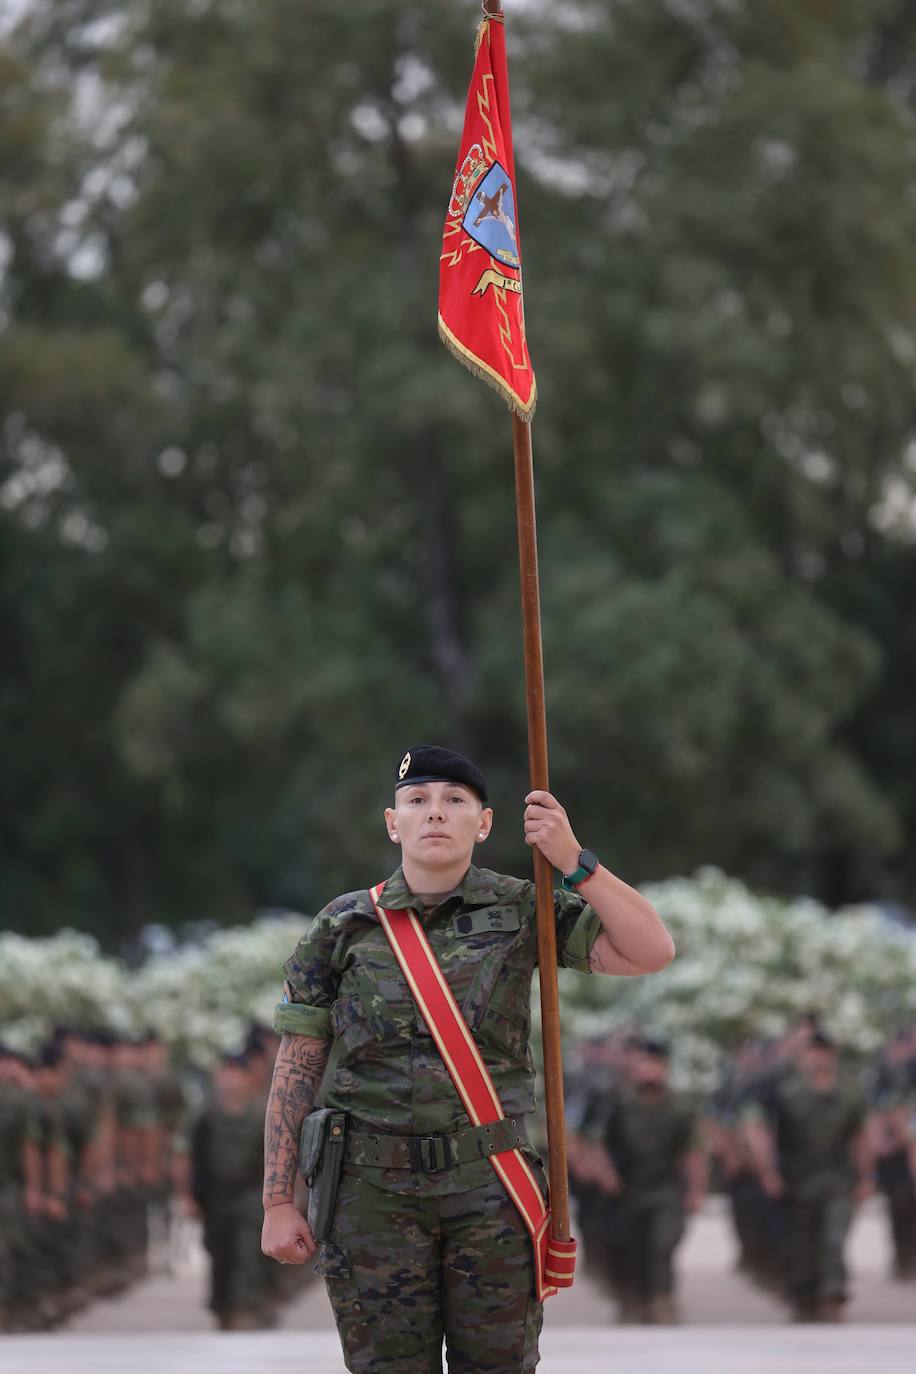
(486, 374)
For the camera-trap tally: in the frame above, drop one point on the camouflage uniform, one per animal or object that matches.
(14, 1118)
(127, 1233)
(44, 1271)
(227, 1169)
(588, 1107)
(895, 1123)
(648, 1139)
(416, 1253)
(77, 1110)
(814, 1132)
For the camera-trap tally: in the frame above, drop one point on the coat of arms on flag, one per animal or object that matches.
(481, 315)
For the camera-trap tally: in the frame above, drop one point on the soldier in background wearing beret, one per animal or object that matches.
(425, 1241)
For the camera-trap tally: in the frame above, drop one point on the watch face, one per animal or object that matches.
(588, 859)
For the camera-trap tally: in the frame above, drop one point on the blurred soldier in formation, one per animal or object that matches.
(17, 1162)
(261, 1047)
(45, 1269)
(785, 1138)
(894, 1144)
(167, 1147)
(227, 1172)
(94, 1147)
(637, 1145)
(751, 1085)
(809, 1144)
(82, 1156)
(730, 1160)
(590, 1096)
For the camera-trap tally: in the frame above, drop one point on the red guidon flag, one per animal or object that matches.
(481, 317)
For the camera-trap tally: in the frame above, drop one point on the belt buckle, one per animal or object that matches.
(428, 1154)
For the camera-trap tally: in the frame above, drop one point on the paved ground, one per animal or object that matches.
(700, 1350)
(712, 1293)
(162, 1326)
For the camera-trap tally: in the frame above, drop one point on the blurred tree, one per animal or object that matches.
(257, 526)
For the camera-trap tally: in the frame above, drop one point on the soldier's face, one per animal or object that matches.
(819, 1064)
(650, 1071)
(437, 823)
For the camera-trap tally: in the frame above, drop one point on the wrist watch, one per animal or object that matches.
(588, 862)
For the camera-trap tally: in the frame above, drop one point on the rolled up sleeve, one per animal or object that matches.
(311, 984)
(578, 927)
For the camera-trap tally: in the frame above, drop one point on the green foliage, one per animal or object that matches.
(256, 526)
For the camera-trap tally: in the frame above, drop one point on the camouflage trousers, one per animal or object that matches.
(405, 1270)
(650, 1231)
(240, 1275)
(817, 1237)
(901, 1211)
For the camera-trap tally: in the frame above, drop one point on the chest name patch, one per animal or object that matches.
(492, 918)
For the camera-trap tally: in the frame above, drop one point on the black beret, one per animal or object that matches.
(432, 763)
(235, 1059)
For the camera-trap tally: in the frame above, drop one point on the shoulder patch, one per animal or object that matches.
(356, 903)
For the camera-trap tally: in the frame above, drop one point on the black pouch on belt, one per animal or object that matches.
(321, 1157)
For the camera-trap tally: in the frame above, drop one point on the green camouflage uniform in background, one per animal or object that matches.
(127, 1233)
(227, 1173)
(894, 1093)
(78, 1120)
(814, 1132)
(45, 1268)
(648, 1140)
(415, 1253)
(15, 1112)
(589, 1098)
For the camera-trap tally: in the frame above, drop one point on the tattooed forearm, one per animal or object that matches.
(297, 1077)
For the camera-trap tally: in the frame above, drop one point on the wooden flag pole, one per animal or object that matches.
(537, 770)
(543, 872)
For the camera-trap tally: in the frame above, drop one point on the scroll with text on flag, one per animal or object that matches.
(481, 313)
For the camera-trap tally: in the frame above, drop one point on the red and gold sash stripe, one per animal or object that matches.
(554, 1259)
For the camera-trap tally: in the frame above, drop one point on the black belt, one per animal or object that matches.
(431, 1154)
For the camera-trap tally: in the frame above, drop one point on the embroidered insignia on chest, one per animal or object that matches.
(494, 918)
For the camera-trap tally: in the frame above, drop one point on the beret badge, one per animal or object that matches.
(405, 764)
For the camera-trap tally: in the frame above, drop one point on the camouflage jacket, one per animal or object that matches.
(648, 1139)
(344, 983)
(814, 1135)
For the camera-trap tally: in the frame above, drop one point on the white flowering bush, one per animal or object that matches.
(746, 965)
(64, 978)
(201, 998)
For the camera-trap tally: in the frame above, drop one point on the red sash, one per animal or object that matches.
(554, 1260)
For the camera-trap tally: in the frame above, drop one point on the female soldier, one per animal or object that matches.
(425, 1240)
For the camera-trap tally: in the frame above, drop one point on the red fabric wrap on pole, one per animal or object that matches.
(481, 313)
(554, 1260)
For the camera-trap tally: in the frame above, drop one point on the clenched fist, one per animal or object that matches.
(286, 1236)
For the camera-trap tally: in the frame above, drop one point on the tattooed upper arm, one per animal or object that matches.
(305, 1052)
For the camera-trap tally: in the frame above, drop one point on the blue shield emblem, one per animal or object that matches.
(490, 217)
